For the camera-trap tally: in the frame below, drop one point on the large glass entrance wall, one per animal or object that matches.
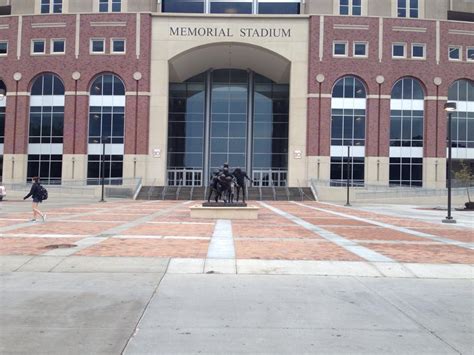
(232, 116)
(229, 112)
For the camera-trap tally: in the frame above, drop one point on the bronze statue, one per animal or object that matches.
(223, 184)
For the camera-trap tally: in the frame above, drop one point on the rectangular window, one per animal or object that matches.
(47, 167)
(418, 51)
(360, 49)
(3, 48)
(279, 7)
(58, 46)
(469, 54)
(118, 46)
(103, 5)
(45, 6)
(340, 49)
(455, 53)
(231, 7)
(51, 6)
(344, 7)
(97, 46)
(407, 8)
(183, 6)
(350, 7)
(399, 50)
(38, 46)
(116, 5)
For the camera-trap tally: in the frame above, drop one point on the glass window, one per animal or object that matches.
(231, 7)
(58, 46)
(406, 130)
(344, 7)
(45, 6)
(407, 8)
(51, 6)
(418, 51)
(106, 126)
(57, 6)
(38, 46)
(103, 5)
(116, 5)
(398, 50)
(454, 53)
(97, 46)
(3, 48)
(462, 129)
(340, 49)
(360, 49)
(279, 7)
(118, 46)
(183, 6)
(469, 54)
(347, 129)
(46, 125)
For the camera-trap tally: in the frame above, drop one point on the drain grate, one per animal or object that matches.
(60, 246)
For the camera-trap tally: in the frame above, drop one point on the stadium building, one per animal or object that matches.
(288, 90)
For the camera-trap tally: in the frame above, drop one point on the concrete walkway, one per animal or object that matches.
(87, 305)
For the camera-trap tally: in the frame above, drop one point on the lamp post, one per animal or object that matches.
(348, 172)
(102, 170)
(449, 107)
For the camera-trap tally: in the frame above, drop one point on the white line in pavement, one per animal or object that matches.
(24, 235)
(391, 226)
(349, 245)
(138, 236)
(186, 223)
(222, 242)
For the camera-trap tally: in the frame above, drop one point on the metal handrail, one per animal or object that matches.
(163, 193)
(274, 192)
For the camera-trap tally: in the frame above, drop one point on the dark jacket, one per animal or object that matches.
(34, 192)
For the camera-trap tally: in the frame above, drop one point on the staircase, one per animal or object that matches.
(199, 193)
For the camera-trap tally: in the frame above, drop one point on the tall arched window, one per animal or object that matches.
(462, 126)
(45, 146)
(348, 113)
(3, 103)
(106, 129)
(406, 133)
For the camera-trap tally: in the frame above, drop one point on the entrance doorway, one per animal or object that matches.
(228, 115)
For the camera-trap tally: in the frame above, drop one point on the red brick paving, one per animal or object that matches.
(253, 239)
(461, 235)
(64, 228)
(291, 250)
(30, 246)
(172, 248)
(425, 253)
(373, 233)
(197, 230)
(251, 230)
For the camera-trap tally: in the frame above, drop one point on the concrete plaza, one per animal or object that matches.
(144, 278)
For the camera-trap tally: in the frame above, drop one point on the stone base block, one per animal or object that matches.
(249, 212)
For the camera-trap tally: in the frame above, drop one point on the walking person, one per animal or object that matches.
(38, 196)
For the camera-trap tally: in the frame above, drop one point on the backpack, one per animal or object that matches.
(43, 193)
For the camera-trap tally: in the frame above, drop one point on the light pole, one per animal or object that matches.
(348, 172)
(449, 107)
(102, 170)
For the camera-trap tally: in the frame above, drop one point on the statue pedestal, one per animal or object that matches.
(224, 211)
